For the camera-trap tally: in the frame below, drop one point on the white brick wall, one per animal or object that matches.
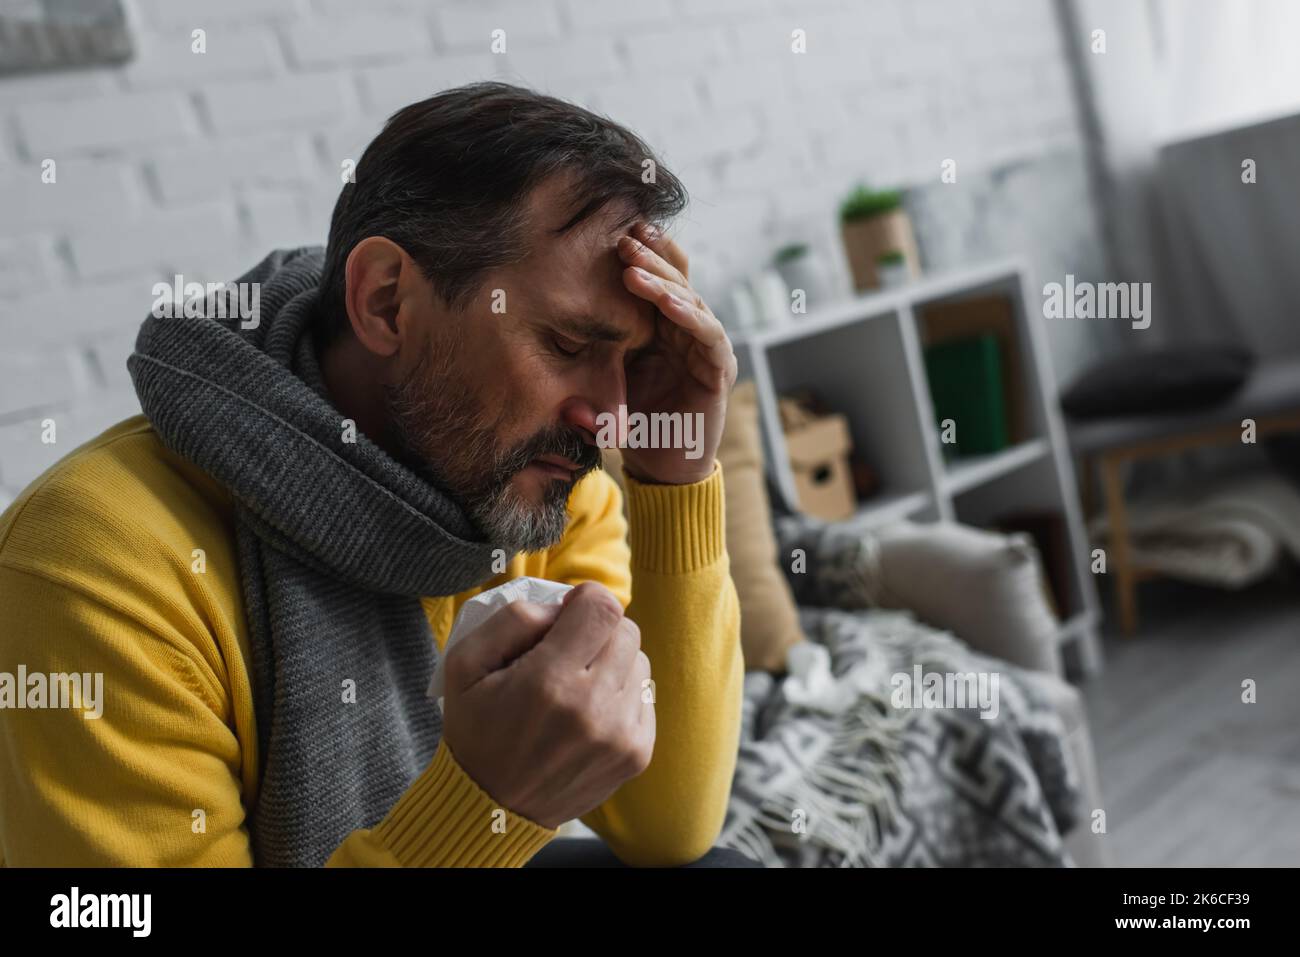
(198, 163)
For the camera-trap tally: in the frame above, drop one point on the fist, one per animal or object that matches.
(544, 705)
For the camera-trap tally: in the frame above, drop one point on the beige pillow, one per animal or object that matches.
(991, 596)
(769, 623)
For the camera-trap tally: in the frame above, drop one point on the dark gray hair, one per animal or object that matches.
(447, 177)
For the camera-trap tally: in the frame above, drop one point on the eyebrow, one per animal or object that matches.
(583, 326)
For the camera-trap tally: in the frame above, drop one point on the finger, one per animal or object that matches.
(506, 635)
(682, 306)
(587, 622)
(633, 252)
(613, 666)
(664, 245)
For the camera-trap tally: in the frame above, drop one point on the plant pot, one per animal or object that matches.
(892, 275)
(771, 298)
(807, 272)
(865, 240)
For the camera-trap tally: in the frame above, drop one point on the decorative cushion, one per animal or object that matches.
(1165, 380)
(769, 622)
(984, 587)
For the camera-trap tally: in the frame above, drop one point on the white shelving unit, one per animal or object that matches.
(863, 357)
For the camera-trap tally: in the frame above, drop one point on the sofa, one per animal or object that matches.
(990, 598)
(970, 591)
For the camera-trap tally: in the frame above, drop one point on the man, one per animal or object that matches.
(264, 567)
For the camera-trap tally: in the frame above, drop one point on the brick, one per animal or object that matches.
(316, 43)
(198, 174)
(110, 351)
(109, 407)
(825, 70)
(84, 193)
(469, 25)
(348, 8)
(387, 89)
(291, 101)
(48, 129)
(35, 381)
(319, 208)
(569, 64)
(727, 134)
(722, 11)
(64, 316)
(23, 456)
(654, 53)
(184, 241)
(911, 64)
(49, 87)
(166, 58)
(24, 266)
(765, 39)
(652, 109)
(1005, 87)
(775, 168)
(939, 15)
(763, 82)
(724, 218)
(601, 16)
(278, 220)
(198, 13)
(347, 142)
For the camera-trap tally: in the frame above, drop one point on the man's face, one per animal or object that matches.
(499, 407)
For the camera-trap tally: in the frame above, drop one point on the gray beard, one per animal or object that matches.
(445, 437)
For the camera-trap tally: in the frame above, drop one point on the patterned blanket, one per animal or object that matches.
(865, 782)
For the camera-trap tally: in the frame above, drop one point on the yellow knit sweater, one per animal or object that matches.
(120, 560)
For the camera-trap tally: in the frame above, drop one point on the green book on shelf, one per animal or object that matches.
(966, 386)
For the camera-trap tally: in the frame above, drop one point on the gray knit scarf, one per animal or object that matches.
(336, 542)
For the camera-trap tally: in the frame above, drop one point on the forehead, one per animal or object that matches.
(577, 273)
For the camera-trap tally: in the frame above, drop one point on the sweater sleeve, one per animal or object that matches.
(154, 780)
(675, 573)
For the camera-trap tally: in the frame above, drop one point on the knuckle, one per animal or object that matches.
(602, 603)
(520, 613)
(594, 730)
(630, 628)
(555, 694)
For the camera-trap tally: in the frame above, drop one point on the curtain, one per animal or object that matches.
(1185, 91)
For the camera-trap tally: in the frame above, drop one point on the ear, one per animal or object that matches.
(381, 291)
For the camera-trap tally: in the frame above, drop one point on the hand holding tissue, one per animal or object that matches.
(483, 606)
(548, 687)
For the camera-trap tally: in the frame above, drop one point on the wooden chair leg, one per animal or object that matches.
(1087, 481)
(1121, 561)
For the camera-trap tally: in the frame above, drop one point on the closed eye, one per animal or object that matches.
(566, 347)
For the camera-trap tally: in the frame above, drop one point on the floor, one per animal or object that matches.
(1191, 775)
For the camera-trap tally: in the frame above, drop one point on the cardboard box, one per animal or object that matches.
(819, 458)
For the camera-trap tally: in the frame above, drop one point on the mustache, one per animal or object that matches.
(554, 440)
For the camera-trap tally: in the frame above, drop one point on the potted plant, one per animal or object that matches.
(873, 223)
(801, 268)
(891, 268)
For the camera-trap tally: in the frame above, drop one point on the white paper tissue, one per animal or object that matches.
(482, 607)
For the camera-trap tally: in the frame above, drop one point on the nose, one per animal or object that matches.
(603, 390)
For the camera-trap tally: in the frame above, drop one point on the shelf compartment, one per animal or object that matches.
(890, 506)
(861, 372)
(963, 474)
